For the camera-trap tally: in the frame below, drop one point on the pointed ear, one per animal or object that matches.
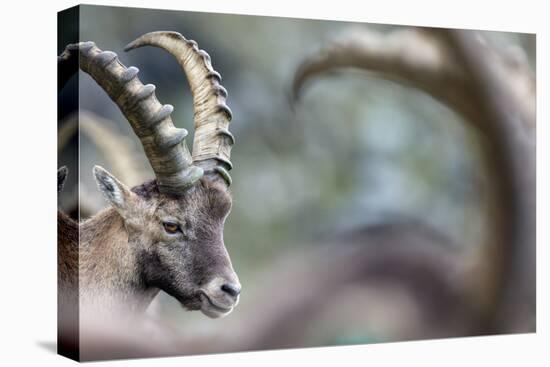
(61, 177)
(115, 191)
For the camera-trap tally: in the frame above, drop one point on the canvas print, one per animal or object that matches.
(233, 183)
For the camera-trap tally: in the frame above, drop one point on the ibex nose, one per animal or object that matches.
(232, 289)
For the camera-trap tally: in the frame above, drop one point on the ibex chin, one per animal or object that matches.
(166, 234)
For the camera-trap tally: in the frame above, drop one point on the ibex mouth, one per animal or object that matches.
(213, 310)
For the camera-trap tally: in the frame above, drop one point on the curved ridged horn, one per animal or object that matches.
(164, 144)
(213, 141)
(405, 56)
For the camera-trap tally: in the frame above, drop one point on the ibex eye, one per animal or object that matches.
(171, 227)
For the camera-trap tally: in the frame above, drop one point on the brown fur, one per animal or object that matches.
(67, 284)
(67, 241)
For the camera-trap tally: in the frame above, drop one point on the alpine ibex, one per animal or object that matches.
(166, 234)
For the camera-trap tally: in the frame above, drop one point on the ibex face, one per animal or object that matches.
(178, 241)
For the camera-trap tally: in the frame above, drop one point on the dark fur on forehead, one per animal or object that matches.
(217, 196)
(147, 190)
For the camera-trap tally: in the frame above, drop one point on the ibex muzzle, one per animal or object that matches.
(165, 234)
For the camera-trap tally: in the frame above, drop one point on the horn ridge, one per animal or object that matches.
(211, 113)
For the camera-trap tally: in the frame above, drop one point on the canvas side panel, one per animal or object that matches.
(68, 31)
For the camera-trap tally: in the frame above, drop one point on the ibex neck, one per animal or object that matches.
(109, 272)
(67, 247)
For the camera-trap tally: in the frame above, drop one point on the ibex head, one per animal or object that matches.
(178, 240)
(175, 222)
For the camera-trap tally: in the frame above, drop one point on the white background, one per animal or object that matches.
(28, 181)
